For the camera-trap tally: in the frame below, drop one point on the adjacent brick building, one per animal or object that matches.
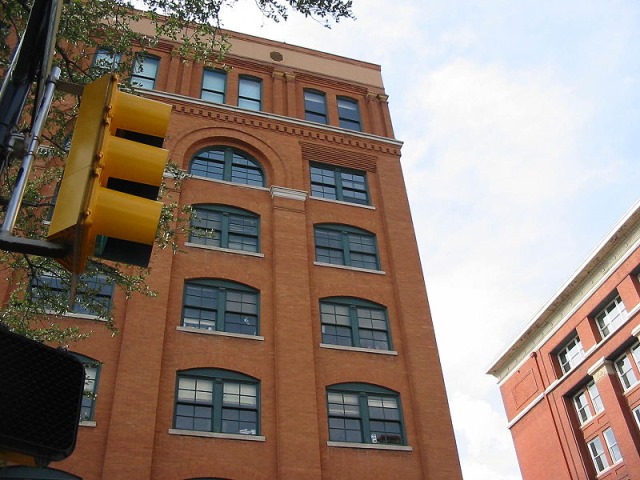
(291, 338)
(570, 381)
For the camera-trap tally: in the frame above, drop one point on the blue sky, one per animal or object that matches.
(520, 122)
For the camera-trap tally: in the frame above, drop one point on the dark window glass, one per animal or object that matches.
(343, 245)
(349, 114)
(315, 106)
(93, 295)
(221, 306)
(361, 413)
(228, 164)
(145, 71)
(225, 227)
(211, 400)
(353, 322)
(213, 85)
(250, 93)
(338, 183)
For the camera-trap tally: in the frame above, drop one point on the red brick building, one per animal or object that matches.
(570, 381)
(291, 338)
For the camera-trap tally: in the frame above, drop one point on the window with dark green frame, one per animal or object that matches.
(221, 305)
(145, 71)
(250, 93)
(217, 400)
(364, 413)
(225, 227)
(349, 113)
(315, 106)
(227, 164)
(214, 84)
(91, 380)
(345, 245)
(338, 183)
(93, 296)
(353, 322)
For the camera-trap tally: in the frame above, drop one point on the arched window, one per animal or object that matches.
(220, 305)
(364, 413)
(217, 400)
(354, 322)
(227, 164)
(346, 245)
(225, 227)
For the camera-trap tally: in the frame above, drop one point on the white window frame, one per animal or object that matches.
(587, 403)
(571, 359)
(625, 369)
(594, 395)
(598, 456)
(612, 445)
(609, 318)
(636, 414)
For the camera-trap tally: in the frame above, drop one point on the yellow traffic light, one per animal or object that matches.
(106, 205)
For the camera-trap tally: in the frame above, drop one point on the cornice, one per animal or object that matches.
(304, 130)
(621, 242)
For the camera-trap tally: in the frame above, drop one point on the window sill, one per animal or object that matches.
(342, 202)
(358, 349)
(346, 267)
(221, 249)
(243, 185)
(215, 332)
(608, 469)
(371, 446)
(84, 316)
(228, 436)
(87, 423)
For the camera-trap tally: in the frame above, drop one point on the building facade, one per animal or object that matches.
(290, 338)
(570, 381)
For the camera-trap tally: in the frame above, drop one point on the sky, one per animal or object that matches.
(520, 126)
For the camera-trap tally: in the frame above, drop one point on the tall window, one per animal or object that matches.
(227, 164)
(598, 456)
(220, 305)
(250, 93)
(355, 323)
(611, 317)
(214, 83)
(636, 415)
(216, 400)
(588, 403)
(145, 71)
(612, 445)
(363, 413)
(106, 59)
(349, 114)
(570, 354)
(627, 367)
(315, 106)
(337, 183)
(91, 378)
(226, 227)
(344, 245)
(93, 296)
